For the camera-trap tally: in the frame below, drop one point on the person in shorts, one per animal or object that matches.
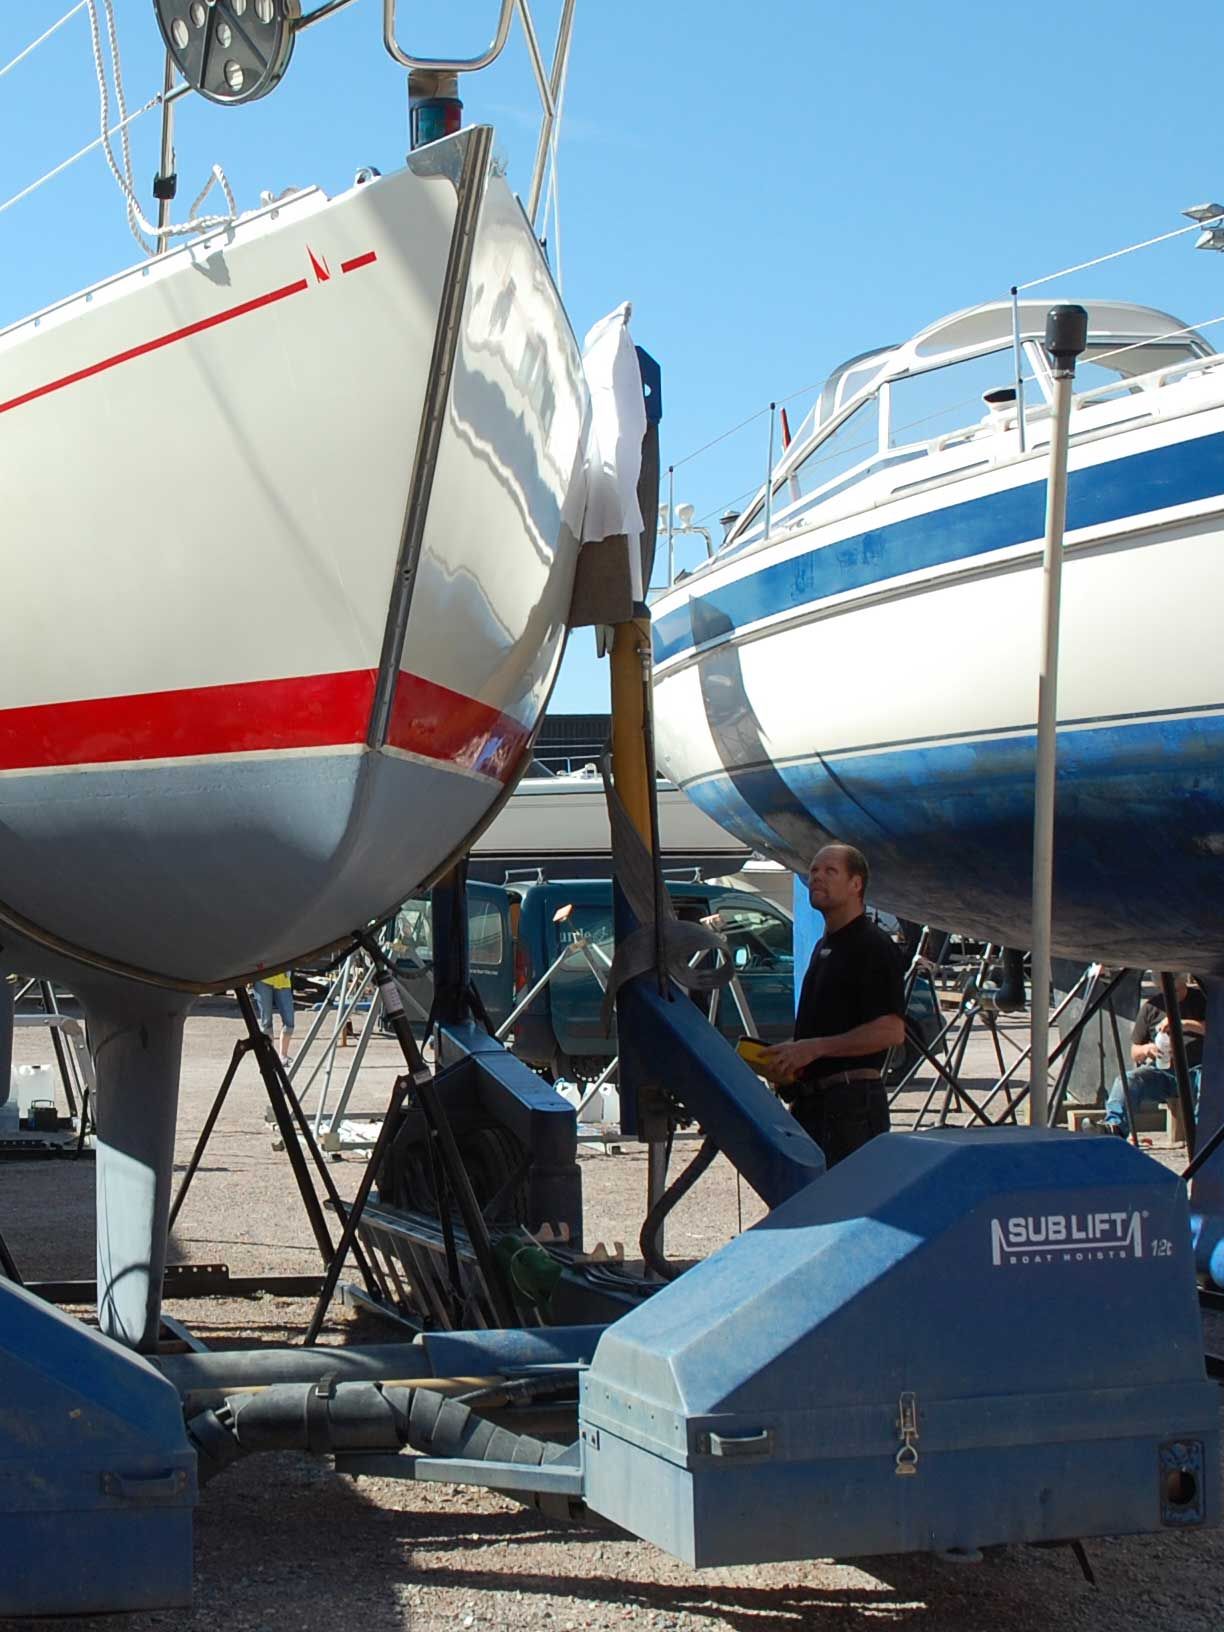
(274, 995)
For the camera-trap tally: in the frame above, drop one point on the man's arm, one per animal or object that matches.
(1143, 1048)
(785, 1060)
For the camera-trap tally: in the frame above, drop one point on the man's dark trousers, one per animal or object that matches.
(841, 1116)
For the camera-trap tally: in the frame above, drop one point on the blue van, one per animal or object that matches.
(561, 1032)
(491, 952)
(518, 932)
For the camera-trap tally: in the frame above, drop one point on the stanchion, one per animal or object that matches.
(1065, 338)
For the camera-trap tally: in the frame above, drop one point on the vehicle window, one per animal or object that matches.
(485, 942)
(854, 442)
(759, 941)
(412, 935)
(925, 406)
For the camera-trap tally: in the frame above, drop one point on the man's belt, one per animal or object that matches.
(861, 1074)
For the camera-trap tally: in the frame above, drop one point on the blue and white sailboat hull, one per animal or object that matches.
(866, 668)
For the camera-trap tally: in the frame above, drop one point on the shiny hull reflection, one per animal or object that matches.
(286, 571)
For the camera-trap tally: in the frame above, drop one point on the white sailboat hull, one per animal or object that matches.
(914, 623)
(289, 548)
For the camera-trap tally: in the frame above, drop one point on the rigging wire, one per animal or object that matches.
(1114, 254)
(89, 147)
(45, 35)
(120, 170)
(1032, 283)
(552, 199)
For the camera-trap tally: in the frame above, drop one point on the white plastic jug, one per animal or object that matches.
(31, 1082)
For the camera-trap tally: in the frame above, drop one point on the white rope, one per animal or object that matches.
(141, 228)
(46, 35)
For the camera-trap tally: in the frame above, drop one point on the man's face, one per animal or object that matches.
(830, 886)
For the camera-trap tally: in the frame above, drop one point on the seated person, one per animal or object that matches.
(1155, 1080)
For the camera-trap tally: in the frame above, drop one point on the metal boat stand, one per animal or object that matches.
(298, 1140)
(351, 989)
(1097, 992)
(74, 1065)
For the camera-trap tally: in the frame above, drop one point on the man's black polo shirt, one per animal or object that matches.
(855, 976)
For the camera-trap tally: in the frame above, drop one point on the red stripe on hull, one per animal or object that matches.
(441, 724)
(261, 716)
(359, 261)
(147, 346)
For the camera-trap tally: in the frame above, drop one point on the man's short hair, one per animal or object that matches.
(856, 863)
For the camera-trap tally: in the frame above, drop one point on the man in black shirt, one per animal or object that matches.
(1151, 1051)
(851, 1012)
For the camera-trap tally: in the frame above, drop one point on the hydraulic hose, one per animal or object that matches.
(675, 1192)
(330, 1417)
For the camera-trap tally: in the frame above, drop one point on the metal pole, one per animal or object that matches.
(769, 464)
(320, 12)
(51, 1006)
(1123, 1070)
(1022, 1056)
(559, 64)
(1098, 1002)
(507, 1024)
(1181, 1068)
(346, 1014)
(165, 185)
(657, 1153)
(1063, 1081)
(354, 1070)
(241, 1048)
(1018, 357)
(671, 536)
(268, 1062)
(1065, 338)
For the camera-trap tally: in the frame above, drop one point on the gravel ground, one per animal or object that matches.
(283, 1543)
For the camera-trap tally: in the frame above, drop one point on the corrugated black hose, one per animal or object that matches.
(330, 1417)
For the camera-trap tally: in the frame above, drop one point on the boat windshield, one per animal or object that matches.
(948, 389)
(1108, 363)
(854, 376)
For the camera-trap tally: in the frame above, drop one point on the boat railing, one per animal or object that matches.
(1035, 413)
(1134, 384)
(550, 84)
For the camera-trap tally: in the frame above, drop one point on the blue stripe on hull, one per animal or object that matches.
(1181, 474)
(948, 832)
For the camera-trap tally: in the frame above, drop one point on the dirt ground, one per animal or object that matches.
(283, 1543)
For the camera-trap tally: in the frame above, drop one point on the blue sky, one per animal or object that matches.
(774, 187)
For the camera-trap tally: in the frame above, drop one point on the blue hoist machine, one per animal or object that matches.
(956, 1340)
